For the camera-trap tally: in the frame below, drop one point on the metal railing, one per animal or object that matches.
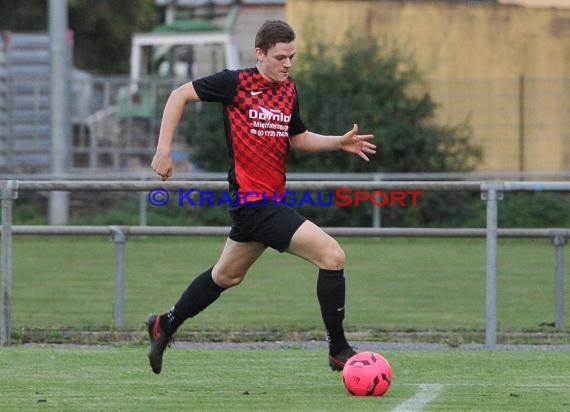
(491, 193)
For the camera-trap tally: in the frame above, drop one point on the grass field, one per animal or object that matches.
(118, 379)
(393, 284)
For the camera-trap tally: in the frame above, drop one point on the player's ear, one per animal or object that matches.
(259, 54)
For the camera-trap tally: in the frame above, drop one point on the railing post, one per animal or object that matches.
(376, 210)
(9, 193)
(143, 200)
(491, 192)
(143, 210)
(119, 239)
(558, 241)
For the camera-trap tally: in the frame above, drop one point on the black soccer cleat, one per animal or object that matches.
(338, 361)
(158, 342)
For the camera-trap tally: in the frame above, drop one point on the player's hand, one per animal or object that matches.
(162, 164)
(358, 143)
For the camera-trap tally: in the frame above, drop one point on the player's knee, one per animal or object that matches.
(227, 280)
(334, 258)
(232, 281)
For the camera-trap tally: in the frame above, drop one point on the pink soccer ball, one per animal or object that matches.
(367, 374)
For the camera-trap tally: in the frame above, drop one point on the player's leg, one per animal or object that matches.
(311, 243)
(235, 260)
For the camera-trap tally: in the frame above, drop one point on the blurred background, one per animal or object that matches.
(452, 89)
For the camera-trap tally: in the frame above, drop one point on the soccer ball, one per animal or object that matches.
(367, 374)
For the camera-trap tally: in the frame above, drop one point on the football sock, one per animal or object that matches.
(197, 297)
(331, 295)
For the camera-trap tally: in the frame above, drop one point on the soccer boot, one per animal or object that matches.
(158, 342)
(338, 361)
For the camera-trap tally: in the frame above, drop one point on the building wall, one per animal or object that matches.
(250, 18)
(474, 57)
(539, 3)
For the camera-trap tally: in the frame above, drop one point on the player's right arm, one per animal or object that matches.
(162, 161)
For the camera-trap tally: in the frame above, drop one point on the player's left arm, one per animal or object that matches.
(351, 142)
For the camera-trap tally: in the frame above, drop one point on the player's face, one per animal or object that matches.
(276, 63)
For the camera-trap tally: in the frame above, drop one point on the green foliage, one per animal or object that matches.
(118, 209)
(29, 209)
(206, 135)
(437, 209)
(381, 90)
(534, 210)
(114, 209)
(455, 209)
(17, 15)
(102, 28)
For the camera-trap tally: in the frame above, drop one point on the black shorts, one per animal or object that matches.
(272, 224)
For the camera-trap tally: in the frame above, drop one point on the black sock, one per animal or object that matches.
(331, 295)
(197, 297)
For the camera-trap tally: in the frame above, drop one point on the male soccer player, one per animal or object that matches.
(262, 122)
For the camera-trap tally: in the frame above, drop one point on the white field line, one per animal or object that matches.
(426, 393)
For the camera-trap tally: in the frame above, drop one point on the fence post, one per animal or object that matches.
(491, 192)
(376, 211)
(119, 239)
(558, 241)
(9, 193)
(143, 200)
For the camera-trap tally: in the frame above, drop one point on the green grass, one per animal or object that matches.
(292, 379)
(392, 284)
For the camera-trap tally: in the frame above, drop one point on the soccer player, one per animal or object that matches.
(262, 122)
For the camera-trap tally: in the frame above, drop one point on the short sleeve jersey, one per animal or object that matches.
(259, 118)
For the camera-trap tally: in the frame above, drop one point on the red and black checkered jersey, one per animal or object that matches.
(259, 118)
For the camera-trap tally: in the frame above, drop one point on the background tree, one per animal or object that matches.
(17, 15)
(102, 28)
(103, 31)
(384, 93)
